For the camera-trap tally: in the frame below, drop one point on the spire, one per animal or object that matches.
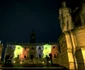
(32, 37)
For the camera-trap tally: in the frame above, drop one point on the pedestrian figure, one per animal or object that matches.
(47, 59)
(31, 57)
(50, 58)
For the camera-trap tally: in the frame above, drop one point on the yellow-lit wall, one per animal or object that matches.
(79, 34)
(66, 57)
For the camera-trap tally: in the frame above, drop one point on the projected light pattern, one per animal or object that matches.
(24, 53)
(54, 50)
(46, 50)
(18, 50)
(39, 50)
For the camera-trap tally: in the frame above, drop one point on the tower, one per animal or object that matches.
(33, 37)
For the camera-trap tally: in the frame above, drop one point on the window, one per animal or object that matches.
(39, 48)
(17, 56)
(32, 48)
(54, 55)
(53, 46)
(25, 48)
(18, 47)
(24, 56)
(45, 47)
(39, 55)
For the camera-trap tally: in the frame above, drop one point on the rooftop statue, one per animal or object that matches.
(66, 23)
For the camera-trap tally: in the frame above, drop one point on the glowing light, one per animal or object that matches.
(47, 50)
(54, 50)
(24, 53)
(18, 51)
(49, 61)
(20, 62)
(14, 62)
(43, 62)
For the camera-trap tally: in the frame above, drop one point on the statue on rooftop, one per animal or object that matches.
(66, 23)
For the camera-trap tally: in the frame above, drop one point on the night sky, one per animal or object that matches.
(19, 17)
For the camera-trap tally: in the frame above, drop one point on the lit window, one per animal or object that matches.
(49, 61)
(20, 62)
(14, 62)
(43, 62)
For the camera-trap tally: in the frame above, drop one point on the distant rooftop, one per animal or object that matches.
(15, 43)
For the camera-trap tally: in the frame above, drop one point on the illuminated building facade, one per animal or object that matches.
(39, 50)
(54, 50)
(23, 52)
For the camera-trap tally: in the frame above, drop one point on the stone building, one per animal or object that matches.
(79, 34)
(66, 48)
(23, 53)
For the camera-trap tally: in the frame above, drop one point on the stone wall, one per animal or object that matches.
(79, 34)
(66, 56)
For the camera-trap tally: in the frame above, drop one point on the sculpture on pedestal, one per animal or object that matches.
(65, 18)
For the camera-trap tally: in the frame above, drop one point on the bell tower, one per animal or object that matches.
(33, 37)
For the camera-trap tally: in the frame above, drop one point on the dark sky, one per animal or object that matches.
(19, 17)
